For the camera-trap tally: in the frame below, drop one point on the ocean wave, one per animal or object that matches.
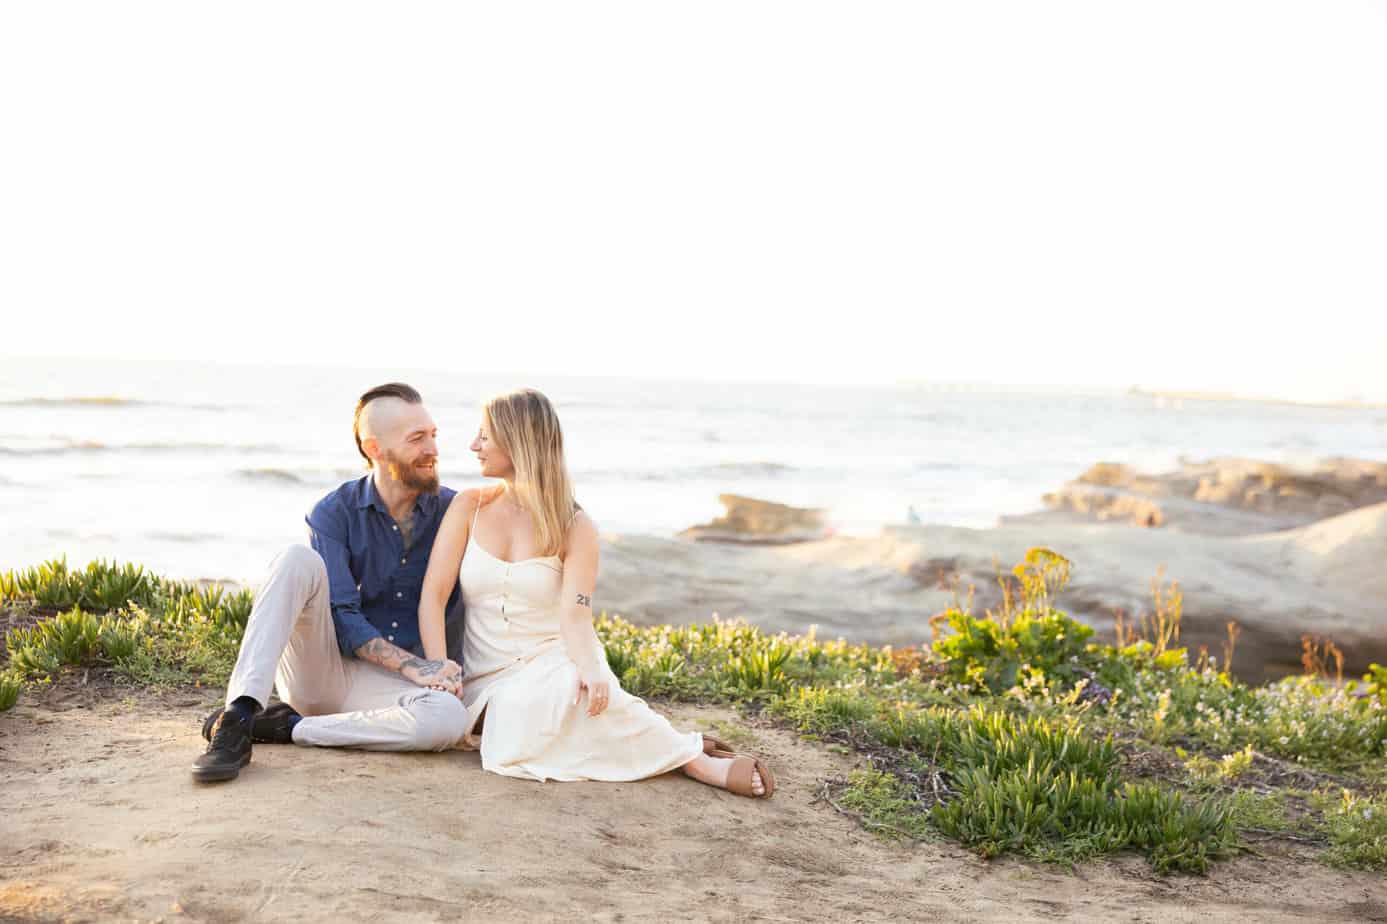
(73, 447)
(712, 472)
(183, 537)
(107, 401)
(281, 475)
(79, 447)
(750, 468)
(318, 476)
(90, 401)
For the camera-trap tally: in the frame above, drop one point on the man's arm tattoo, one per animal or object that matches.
(425, 668)
(379, 651)
(391, 657)
(395, 658)
(584, 600)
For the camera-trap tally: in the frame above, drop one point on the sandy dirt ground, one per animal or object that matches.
(102, 823)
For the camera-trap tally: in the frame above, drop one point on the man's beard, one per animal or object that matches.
(411, 476)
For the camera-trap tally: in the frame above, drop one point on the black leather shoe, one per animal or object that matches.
(228, 750)
(270, 726)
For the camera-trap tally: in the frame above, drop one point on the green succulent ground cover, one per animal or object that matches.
(1013, 732)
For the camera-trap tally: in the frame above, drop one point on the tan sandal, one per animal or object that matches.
(711, 744)
(739, 776)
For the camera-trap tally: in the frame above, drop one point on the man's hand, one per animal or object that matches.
(442, 674)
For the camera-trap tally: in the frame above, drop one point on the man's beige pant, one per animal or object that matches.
(290, 642)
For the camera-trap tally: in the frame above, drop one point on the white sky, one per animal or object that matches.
(1171, 194)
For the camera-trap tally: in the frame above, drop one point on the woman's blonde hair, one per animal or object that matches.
(525, 426)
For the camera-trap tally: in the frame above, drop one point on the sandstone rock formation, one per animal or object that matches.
(760, 522)
(1225, 496)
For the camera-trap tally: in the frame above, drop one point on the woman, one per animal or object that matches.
(528, 557)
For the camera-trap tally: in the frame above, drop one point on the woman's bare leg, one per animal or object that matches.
(714, 771)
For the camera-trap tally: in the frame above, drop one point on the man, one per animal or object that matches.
(335, 626)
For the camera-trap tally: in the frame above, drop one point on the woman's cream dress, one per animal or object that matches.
(517, 670)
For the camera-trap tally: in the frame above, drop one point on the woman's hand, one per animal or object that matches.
(575, 616)
(599, 690)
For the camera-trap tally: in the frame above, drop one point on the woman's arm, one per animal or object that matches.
(575, 614)
(442, 575)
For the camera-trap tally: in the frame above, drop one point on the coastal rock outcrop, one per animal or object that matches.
(1224, 496)
(760, 522)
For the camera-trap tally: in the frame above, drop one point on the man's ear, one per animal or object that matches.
(371, 446)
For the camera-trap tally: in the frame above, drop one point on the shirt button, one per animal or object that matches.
(394, 625)
(395, 528)
(390, 638)
(402, 561)
(399, 593)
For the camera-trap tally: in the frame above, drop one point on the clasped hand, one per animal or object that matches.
(439, 674)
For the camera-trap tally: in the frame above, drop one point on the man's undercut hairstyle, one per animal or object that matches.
(388, 390)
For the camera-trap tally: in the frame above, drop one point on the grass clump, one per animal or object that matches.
(68, 639)
(1002, 782)
(1027, 635)
(730, 661)
(1226, 769)
(10, 685)
(885, 804)
(1356, 826)
(145, 629)
(1266, 813)
(100, 586)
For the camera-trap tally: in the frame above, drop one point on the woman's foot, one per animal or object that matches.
(717, 771)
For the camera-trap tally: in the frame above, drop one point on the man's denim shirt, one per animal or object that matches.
(374, 583)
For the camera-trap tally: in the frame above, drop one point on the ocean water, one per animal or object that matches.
(205, 470)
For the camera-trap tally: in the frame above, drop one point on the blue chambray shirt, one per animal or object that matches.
(374, 583)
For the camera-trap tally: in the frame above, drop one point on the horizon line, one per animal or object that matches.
(1130, 388)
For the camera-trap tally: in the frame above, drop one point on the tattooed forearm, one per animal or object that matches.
(584, 600)
(379, 651)
(423, 671)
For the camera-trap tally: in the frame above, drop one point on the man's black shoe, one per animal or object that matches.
(270, 726)
(227, 752)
